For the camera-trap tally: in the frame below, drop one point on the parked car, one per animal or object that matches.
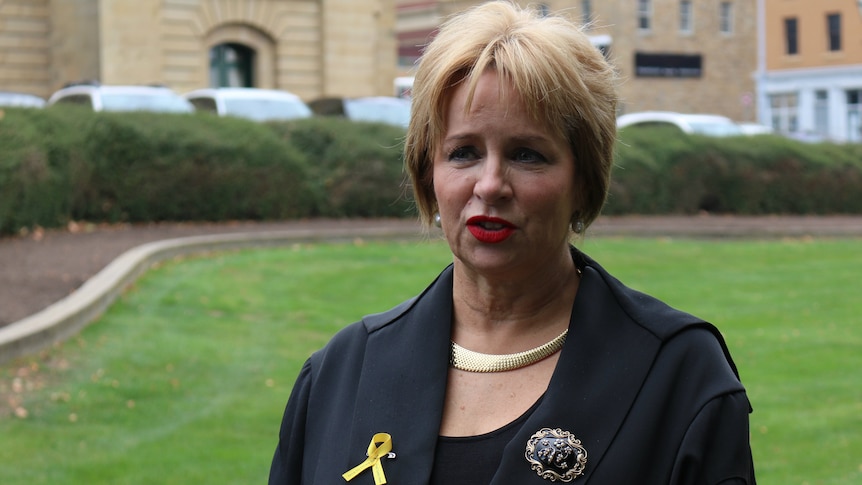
(20, 100)
(803, 136)
(121, 98)
(756, 129)
(701, 124)
(379, 109)
(251, 103)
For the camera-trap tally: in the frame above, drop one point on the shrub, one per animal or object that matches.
(356, 167)
(662, 171)
(62, 164)
(156, 167)
(40, 161)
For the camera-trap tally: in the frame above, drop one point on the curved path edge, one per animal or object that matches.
(70, 315)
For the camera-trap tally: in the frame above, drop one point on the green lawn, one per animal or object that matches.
(185, 378)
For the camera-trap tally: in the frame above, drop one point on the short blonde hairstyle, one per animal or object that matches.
(565, 81)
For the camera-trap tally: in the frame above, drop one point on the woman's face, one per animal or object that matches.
(504, 183)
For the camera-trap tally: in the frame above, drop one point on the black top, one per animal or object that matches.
(473, 460)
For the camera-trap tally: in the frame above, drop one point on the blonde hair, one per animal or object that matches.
(553, 66)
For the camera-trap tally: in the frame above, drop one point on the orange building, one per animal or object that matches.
(809, 74)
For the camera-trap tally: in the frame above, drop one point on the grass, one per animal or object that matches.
(184, 379)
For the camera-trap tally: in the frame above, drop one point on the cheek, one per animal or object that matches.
(436, 182)
(555, 201)
(447, 182)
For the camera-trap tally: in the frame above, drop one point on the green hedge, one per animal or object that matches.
(63, 164)
(663, 171)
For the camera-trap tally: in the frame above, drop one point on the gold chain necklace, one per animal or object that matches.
(470, 361)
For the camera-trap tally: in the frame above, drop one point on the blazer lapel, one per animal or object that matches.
(600, 371)
(404, 383)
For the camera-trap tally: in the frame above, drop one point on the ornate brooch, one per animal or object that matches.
(556, 455)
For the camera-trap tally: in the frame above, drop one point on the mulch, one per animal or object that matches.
(43, 266)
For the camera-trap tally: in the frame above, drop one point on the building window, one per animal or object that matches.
(821, 112)
(231, 65)
(833, 26)
(644, 14)
(685, 16)
(783, 107)
(791, 36)
(544, 10)
(586, 11)
(725, 17)
(854, 115)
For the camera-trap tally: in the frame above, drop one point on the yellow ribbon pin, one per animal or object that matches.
(380, 446)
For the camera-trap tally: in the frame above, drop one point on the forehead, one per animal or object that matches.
(469, 93)
(491, 102)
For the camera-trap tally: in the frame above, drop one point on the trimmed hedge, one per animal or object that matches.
(64, 164)
(356, 168)
(663, 171)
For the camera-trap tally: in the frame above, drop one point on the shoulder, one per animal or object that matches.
(349, 343)
(654, 315)
(681, 335)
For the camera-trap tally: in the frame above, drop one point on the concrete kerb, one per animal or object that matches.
(68, 316)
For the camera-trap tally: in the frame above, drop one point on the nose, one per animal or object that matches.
(492, 183)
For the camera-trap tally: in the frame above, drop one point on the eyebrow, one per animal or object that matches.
(528, 139)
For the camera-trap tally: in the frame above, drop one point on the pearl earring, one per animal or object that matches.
(578, 226)
(437, 221)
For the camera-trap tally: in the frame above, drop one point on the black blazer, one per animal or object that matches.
(651, 393)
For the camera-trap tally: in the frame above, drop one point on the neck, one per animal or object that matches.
(495, 315)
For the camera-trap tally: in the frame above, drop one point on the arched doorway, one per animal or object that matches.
(232, 65)
(240, 55)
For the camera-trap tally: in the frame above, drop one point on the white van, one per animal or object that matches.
(121, 98)
(250, 103)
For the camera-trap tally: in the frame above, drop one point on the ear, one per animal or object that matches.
(578, 201)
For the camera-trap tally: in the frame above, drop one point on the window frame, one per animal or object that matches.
(833, 32)
(853, 99)
(644, 15)
(791, 36)
(586, 12)
(821, 112)
(725, 17)
(784, 112)
(232, 64)
(686, 16)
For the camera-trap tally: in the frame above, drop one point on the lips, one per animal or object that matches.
(490, 230)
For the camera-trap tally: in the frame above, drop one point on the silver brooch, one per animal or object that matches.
(556, 455)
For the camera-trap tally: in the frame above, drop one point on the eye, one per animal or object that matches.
(527, 155)
(463, 154)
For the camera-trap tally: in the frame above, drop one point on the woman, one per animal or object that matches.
(524, 361)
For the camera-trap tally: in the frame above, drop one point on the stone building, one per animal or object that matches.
(309, 47)
(810, 68)
(694, 56)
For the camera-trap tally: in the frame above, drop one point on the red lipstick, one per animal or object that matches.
(490, 230)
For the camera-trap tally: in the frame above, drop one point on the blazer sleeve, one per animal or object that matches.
(287, 463)
(715, 449)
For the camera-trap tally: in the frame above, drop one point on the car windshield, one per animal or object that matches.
(265, 109)
(145, 102)
(394, 112)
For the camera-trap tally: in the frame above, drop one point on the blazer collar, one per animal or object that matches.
(406, 366)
